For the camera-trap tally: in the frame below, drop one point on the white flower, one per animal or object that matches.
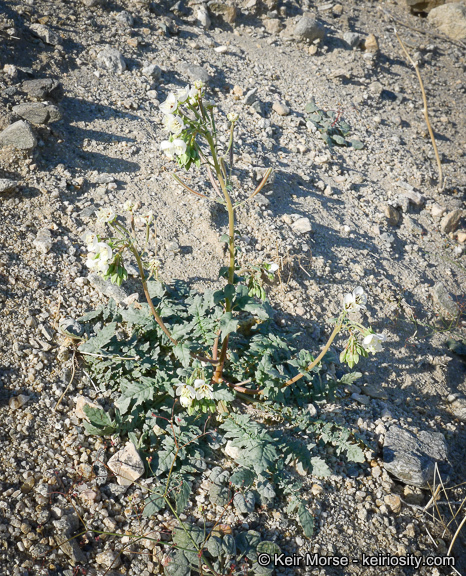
(148, 217)
(273, 267)
(373, 342)
(168, 149)
(232, 117)
(106, 215)
(170, 105)
(91, 261)
(193, 96)
(198, 84)
(356, 300)
(187, 394)
(182, 94)
(173, 124)
(129, 206)
(91, 240)
(104, 251)
(203, 390)
(179, 146)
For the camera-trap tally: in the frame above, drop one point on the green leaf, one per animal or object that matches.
(356, 144)
(311, 107)
(228, 324)
(350, 377)
(243, 477)
(320, 467)
(178, 564)
(306, 520)
(225, 238)
(153, 504)
(339, 140)
(99, 423)
(92, 315)
(355, 453)
(247, 543)
(317, 117)
(182, 498)
(267, 547)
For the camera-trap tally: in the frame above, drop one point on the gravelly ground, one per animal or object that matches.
(105, 151)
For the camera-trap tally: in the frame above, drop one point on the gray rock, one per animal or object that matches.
(111, 60)
(7, 185)
(392, 215)
(93, 3)
(412, 226)
(43, 88)
(109, 559)
(257, 107)
(281, 109)
(250, 97)
(388, 238)
(65, 528)
(308, 28)
(71, 327)
(43, 241)
(423, 5)
(224, 11)
(449, 223)
(38, 112)
(415, 198)
(450, 19)
(152, 71)
(302, 226)
(194, 72)
(203, 17)
(442, 300)
(352, 39)
(273, 25)
(458, 408)
(173, 246)
(46, 34)
(361, 398)
(411, 457)
(106, 288)
(125, 18)
(19, 135)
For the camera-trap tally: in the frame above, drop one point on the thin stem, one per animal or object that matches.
(317, 360)
(426, 113)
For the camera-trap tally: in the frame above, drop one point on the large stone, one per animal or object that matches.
(7, 185)
(43, 88)
(194, 72)
(203, 17)
(302, 226)
(227, 12)
(19, 135)
(43, 241)
(445, 304)
(450, 221)
(308, 28)
(127, 465)
(450, 19)
(152, 71)
(46, 34)
(106, 288)
(38, 112)
(111, 60)
(423, 5)
(458, 408)
(273, 25)
(412, 457)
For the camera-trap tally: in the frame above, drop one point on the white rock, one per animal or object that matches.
(43, 241)
(109, 559)
(203, 17)
(127, 465)
(18, 402)
(302, 226)
(112, 60)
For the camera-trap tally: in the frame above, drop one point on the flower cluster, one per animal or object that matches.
(100, 255)
(198, 395)
(371, 342)
(184, 115)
